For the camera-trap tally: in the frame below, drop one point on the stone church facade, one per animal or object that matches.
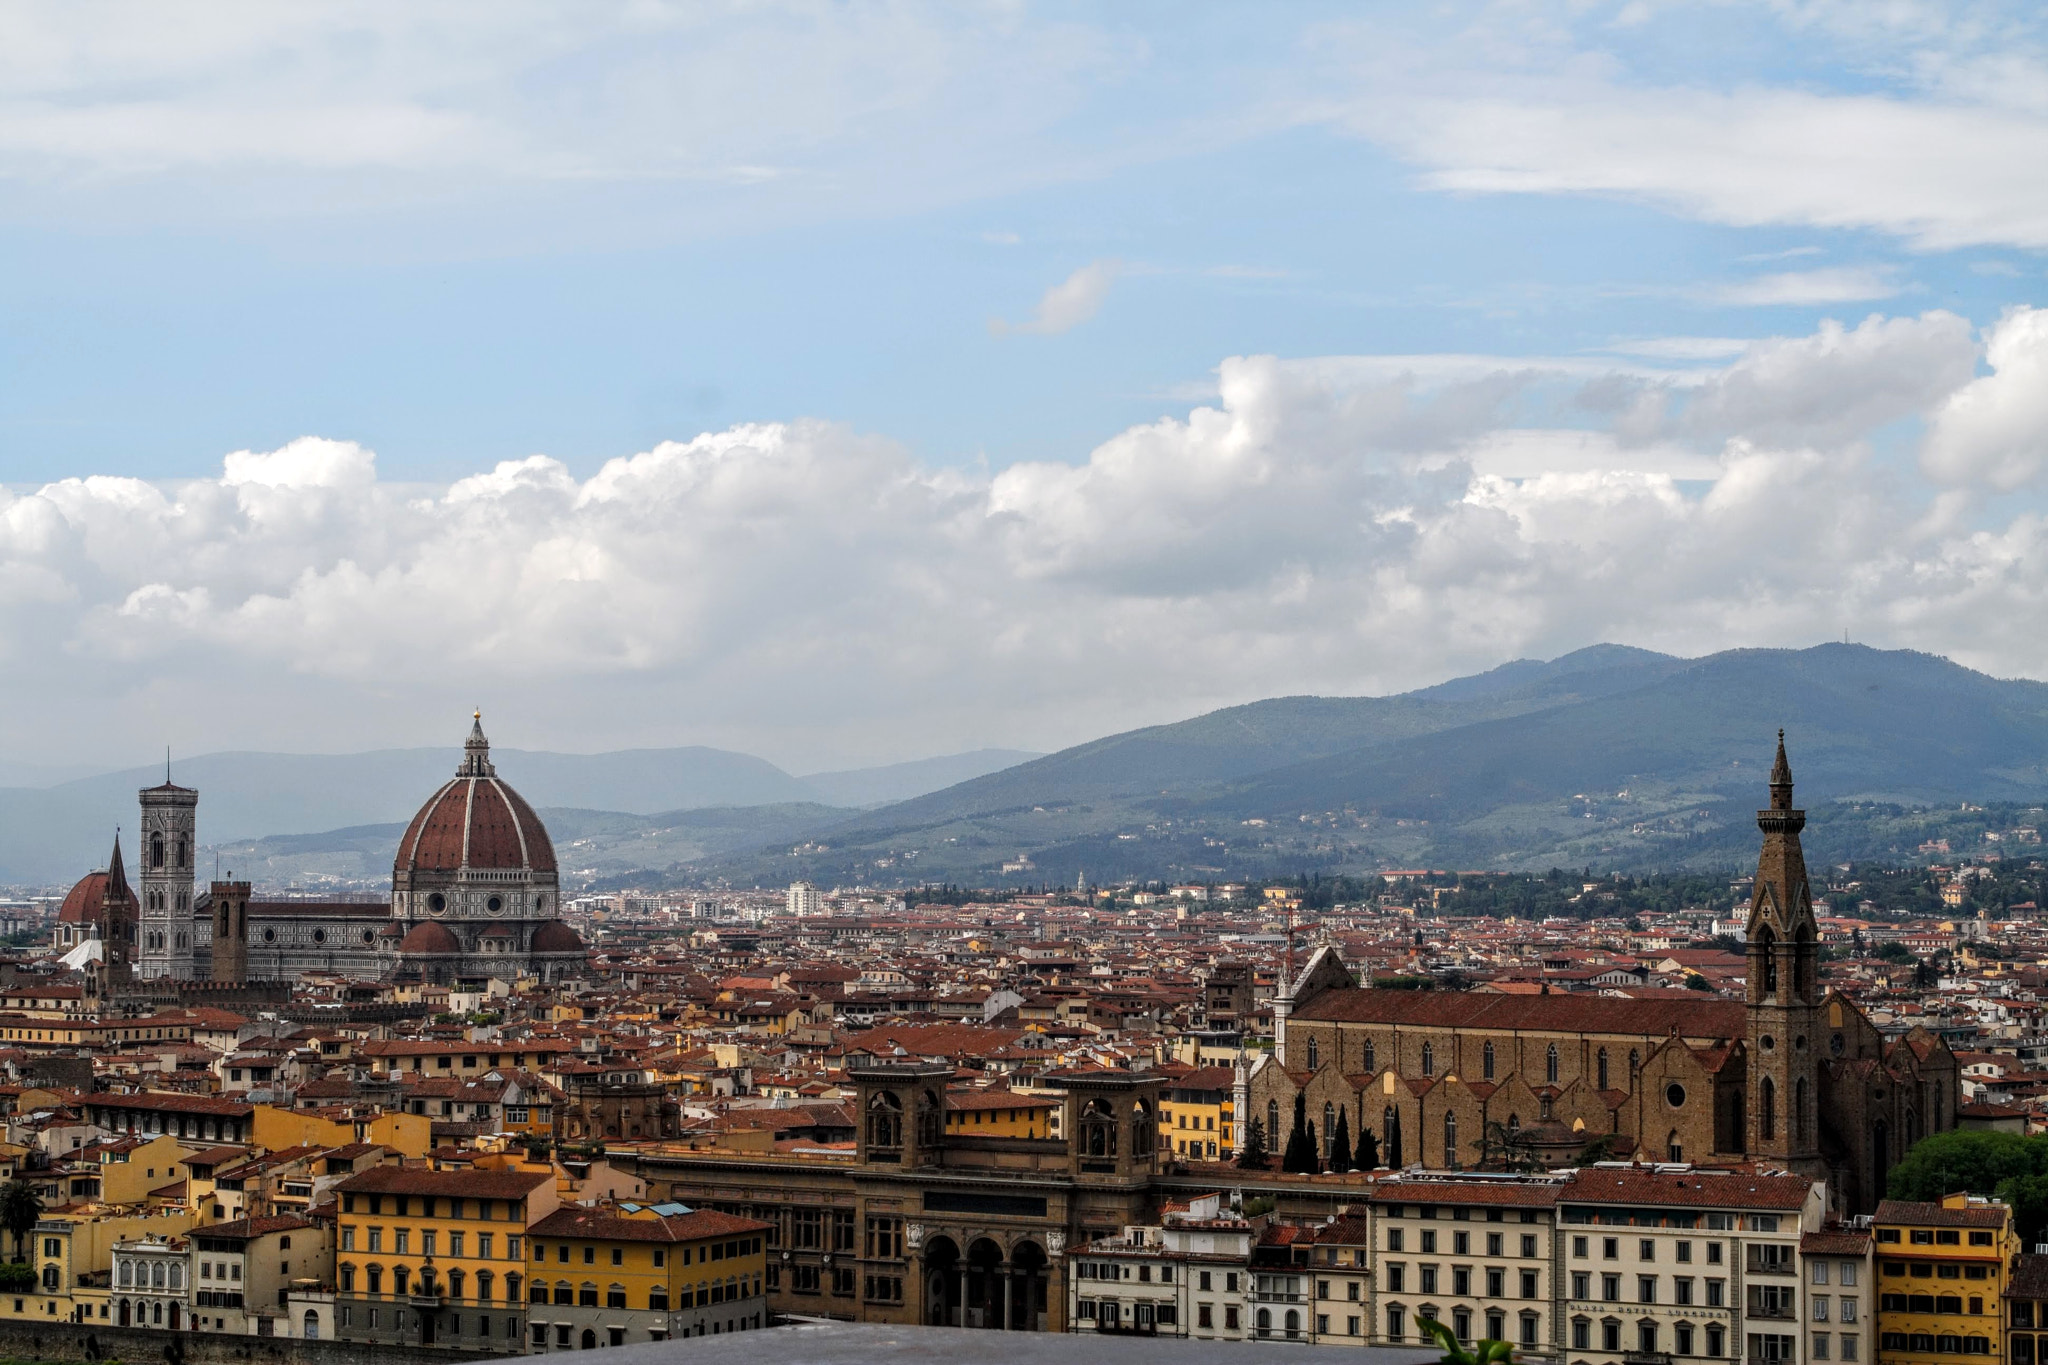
(1790, 1077)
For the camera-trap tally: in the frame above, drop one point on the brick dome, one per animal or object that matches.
(428, 939)
(82, 903)
(475, 821)
(556, 937)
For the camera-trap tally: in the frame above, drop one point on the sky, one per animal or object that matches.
(850, 383)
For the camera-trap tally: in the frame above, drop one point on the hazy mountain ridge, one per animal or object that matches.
(52, 834)
(1603, 755)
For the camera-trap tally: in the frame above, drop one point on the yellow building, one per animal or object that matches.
(132, 1168)
(1941, 1277)
(275, 1130)
(68, 1247)
(436, 1258)
(620, 1273)
(998, 1113)
(1195, 1118)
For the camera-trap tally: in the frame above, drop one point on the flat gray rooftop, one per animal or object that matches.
(813, 1342)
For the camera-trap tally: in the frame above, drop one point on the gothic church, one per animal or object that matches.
(1791, 1077)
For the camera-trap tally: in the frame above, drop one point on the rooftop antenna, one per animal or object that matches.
(167, 765)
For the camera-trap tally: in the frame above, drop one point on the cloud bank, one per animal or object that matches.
(805, 590)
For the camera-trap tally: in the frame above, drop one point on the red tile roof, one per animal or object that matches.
(1707, 1017)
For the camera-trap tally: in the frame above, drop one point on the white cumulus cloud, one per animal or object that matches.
(1338, 525)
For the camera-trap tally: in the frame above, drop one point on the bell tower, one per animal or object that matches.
(1784, 994)
(164, 928)
(230, 902)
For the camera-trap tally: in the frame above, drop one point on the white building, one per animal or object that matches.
(1189, 1277)
(803, 900)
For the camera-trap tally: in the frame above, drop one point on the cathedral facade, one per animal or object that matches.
(1791, 1076)
(475, 895)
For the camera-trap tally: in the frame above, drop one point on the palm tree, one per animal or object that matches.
(20, 1210)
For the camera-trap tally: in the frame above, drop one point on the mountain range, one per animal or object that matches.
(1610, 756)
(51, 833)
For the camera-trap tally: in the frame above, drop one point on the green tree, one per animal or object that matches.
(21, 1208)
(1340, 1143)
(1974, 1161)
(1300, 1156)
(1488, 1352)
(2027, 1196)
(1254, 1155)
(1502, 1150)
(1599, 1149)
(1695, 982)
(1366, 1156)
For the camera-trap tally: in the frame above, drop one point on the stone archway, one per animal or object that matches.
(942, 1282)
(985, 1282)
(1029, 1275)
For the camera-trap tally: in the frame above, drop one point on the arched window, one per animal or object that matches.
(1314, 1058)
(1486, 1062)
(1329, 1127)
(1514, 1124)
(1098, 1129)
(1674, 1150)
(1371, 1058)
(1293, 1323)
(1265, 1322)
(156, 850)
(1550, 1064)
(1429, 1059)
(1601, 1061)
(885, 1121)
(931, 1119)
(1272, 1125)
(1144, 1132)
(156, 1276)
(1767, 948)
(1799, 1110)
(127, 1274)
(1450, 1140)
(1767, 1110)
(1635, 1063)
(177, 1275)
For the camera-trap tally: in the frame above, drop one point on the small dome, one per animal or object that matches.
(82, 903)
(556, 937)
(429, 939)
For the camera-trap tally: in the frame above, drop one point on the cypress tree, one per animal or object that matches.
(1300, 1155)
(1367, 1156)
(1340, 1143)
(1253, 1157)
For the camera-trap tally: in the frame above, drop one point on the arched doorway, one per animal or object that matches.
(312, 1332)
(985, 1283)
(942, 1282)
(589, 1340)
(1028, 1263)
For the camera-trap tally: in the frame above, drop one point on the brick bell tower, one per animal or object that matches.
(1784, 994)
(230, 902)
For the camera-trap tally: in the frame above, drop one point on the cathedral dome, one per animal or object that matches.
(82, 903)
(556, 937)
(475, 822)
(429, 939)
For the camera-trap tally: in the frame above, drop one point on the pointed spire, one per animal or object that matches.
(476, 751)
(117, 875)
(1781, 779)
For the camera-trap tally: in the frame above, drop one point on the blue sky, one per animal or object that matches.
(1003, 256)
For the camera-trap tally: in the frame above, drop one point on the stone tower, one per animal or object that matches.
(1784, 993)
(230, 902)
(118, 928)
(169, 843)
